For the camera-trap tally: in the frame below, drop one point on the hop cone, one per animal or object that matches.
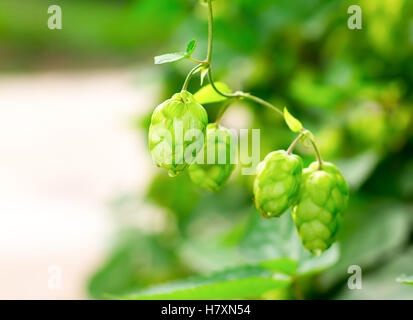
(277, 183)
(176, 133)
(213, 167)
(323, 198)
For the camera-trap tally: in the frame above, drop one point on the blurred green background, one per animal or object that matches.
(352, 88)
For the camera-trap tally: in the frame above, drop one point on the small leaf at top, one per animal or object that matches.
(191, 47)
(294, 124)
(170, 57)
(207, 94)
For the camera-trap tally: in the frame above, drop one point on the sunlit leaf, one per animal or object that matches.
(207, 94)
(294, 124)
(170, 57)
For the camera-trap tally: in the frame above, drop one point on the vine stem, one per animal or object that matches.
(189, 76)
(210, 32)
(240, 94)
(317, 153)
(291, 147)
(196, 60)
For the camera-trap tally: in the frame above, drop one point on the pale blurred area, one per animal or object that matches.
(67, 147)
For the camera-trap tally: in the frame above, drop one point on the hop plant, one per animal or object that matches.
(322, 200)
(176, 132)
(213, 167)
(277, 183)
(318, 194)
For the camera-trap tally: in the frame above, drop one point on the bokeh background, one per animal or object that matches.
(78, 190)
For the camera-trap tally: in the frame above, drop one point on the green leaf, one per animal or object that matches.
(135, 261)
(170, 57)
(191, 47)
(388, 222)
(239, 282)
(292, 122)
(405, 279)
(207, 94)
(379, 283)
(359, 168)
(269, 239)
(284, 265)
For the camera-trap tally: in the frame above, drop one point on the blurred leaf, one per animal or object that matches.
(292, 122)
(170, 57)
(358, 169)
(268, 239)
(380, 232)
(405, 280)
(191, 47)
(208, 95)
(380, 284)
(283, 265)
(135, 261)
(240, 282)
(163, 191)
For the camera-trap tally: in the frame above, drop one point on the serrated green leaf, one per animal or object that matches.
(405, 279)
(170, 57)
(207, 94)
(294, 124)
(191, 47)
(239, 282)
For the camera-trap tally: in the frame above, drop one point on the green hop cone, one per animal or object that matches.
(176, 133)
(322, 200)
(214, 166)
(277, 183)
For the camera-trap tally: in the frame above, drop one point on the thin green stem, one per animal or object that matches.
(189, 76)
(262, 102)
(244, 95)
(291, 147)
(210, 31)
(317, 153)
(196, 60)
